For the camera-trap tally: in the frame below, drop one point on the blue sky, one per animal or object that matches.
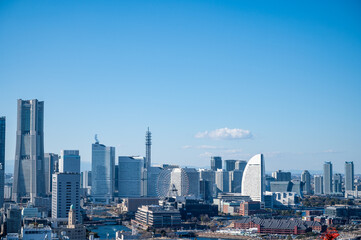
(284, 77)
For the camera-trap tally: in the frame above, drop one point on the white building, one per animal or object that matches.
(130, 176)
(40, 232)
(103, 167)
(253, 181)
(69, 161)
(186, 181)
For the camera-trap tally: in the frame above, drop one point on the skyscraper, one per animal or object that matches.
(148, 146)
(327, 178)
(349, 176)
(240, 165)
(130, 176)
(230, 164)
(279, 175)
(222, 180)
(318, 181)
(65, 193)
(306, 178)
(29, 174)
(50, 167)
(253, 181)
(216, 163)
(103, 161)
(185, 181)
(69, 161)
(2, 159)
(337, 183)
(235, 178)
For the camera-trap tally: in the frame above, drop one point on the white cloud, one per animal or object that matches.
(225, 133)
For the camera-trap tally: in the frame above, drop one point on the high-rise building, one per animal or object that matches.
(240, 165)
(318, 181)
(230, 164)
(69, 161)
(103, 161)
(253, 181)
(29, 174)
(147, 187)
(209, 176)
(2, 159)
(50, 167)
(130, 176)
(193, 179)
(327, 178)
(216, 163)
(306, 178)
(222, 180)
(65, 192)
(279, 175)
(185, 181)
(152, 174)
(349, 176)
(148, 146)
(235, 178)
(337, 183)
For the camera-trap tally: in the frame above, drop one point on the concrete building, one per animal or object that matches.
(130, 176)
(193, 180)
(13, 219)
(29, 181)
(156, 216)
(216, 163)
(2, 159)
(327, 178)
(185, 181)
(222, 180)
(72, 231)
(36, 232)
(69, 161)
(240, 165)
(66, 192)
(103, 162)
(253, 181)
(318, 182)
(152, 174)
(279, 175)
(230, 165)
(306, 178)
(132, 204)
(349, 176)
(208, 187)
(337, 183)
(51, 165)
(235, 178)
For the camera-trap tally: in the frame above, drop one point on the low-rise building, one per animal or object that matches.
(36, 232)
(156, 216)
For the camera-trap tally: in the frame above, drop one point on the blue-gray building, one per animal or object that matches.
(130, 176)
(2, 159)
(327, 178)
(349, 176)
(216, 163)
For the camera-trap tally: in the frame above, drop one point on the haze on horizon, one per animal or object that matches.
(227, 78)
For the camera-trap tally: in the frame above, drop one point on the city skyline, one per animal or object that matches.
(223, 79)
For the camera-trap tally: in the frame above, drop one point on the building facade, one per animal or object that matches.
(253, 181)
(222, 180)
(130, 176)
(306, 178)
(103, 162)
(29, 181)
(349, 176)
(50, 167)
(2, 159)
(216, 163)
(327, 178)
(230, 164)
(318, 182)
(69, 161)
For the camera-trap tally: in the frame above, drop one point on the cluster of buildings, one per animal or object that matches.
(49, 190)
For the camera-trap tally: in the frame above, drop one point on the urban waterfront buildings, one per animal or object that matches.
(130, 176)
(327, 178)
(103, 162)
(2, 159)
(51, 165)
(318, 182)
(65, 193)
(253, 181)
(306, 178)
(216, 163)
(349, 176)
(29, 181)
(69, 161)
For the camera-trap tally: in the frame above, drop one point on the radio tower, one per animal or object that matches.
(148, 144)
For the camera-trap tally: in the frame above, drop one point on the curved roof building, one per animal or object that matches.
(253, 178)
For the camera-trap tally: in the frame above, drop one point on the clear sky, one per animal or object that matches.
(228, 78)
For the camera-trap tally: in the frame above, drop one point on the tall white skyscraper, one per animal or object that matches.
(29, 177)
(65, 192)
(349, 176)
(253, 181)
(306, 178)
(327, 178)
(69, 161)
(130, 176)
(103, 167)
